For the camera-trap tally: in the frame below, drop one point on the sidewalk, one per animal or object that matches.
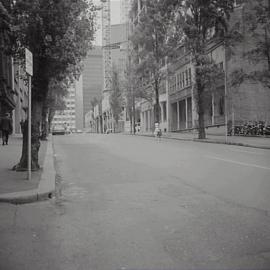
(14, 186)
(255, 142)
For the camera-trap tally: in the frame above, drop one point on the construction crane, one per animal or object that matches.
(106, 40)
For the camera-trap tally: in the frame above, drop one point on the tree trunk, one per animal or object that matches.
(44, 123)
(51, 114)
(133, 115)
(157, 106)
(35, 140)
(200, 106)
(130, 119)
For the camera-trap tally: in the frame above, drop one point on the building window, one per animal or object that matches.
(165, 111)
(187, 83)
(178, 81)
(189, 75)
(221, 66)
(183, 79)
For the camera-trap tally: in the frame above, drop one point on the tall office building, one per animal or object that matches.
(106, 37)
(92, 79)
(125, 6)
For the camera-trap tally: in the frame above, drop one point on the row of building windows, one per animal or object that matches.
(180, 80)
(70, 102)
(64, 117)
(64, 123)
(65, 112)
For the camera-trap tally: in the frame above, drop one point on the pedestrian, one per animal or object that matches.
(6, 128)
(157, 131)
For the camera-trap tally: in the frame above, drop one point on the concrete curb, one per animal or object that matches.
(207, 141)
(46, 187)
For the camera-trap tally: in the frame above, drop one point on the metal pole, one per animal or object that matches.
(29, 128)
(225, 101)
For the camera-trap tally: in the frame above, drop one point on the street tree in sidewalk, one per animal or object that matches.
(199, 23)
(116, 99)
(55, 101)
(94, 102)
(59, 35)
(256, 32)
(150, 38)
(133, 89)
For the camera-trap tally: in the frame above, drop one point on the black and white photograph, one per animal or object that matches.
(135, 134)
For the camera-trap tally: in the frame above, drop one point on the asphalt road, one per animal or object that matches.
(136, 203)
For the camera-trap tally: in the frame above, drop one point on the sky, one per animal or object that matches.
(115, 18)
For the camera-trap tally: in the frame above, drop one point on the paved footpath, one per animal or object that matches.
(14, 186)
(256, 142)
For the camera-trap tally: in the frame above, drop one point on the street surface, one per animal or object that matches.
(136, 203)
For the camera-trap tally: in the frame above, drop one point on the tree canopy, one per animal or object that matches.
(199, 22)
(58, 33)
(150, 40)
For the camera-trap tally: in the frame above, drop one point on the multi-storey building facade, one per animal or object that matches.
(118, 52)
(13, 89)
(225, 104)
(7, 103)
(92, 80)
(72, 116)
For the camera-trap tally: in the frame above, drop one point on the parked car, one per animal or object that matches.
(58, 130)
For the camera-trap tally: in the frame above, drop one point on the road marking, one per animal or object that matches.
(239, 163)
(250, 152)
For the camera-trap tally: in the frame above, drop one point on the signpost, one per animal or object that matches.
(29, 71)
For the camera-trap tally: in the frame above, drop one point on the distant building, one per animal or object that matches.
(7, 103)
(118, 52)
(125, 6)
(92, 79)
(71, 117)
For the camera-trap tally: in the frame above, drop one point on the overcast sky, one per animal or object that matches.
(115, 18)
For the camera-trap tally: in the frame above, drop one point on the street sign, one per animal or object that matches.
(28, 62)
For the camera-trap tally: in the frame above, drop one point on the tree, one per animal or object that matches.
(116, 101)
(256, 19)
(94, 102)
(55, 101)
(199, 22)
(132, 89)
(150, 40)
(59, 34)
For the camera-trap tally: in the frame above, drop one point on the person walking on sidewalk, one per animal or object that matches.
(6, 128)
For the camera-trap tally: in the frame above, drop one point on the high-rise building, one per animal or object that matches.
(92, 79)
(106, 40)
(125, 6)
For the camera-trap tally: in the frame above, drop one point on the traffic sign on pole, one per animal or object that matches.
(29, 71)
(28, 62)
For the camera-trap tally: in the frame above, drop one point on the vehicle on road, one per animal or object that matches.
(58, 130)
